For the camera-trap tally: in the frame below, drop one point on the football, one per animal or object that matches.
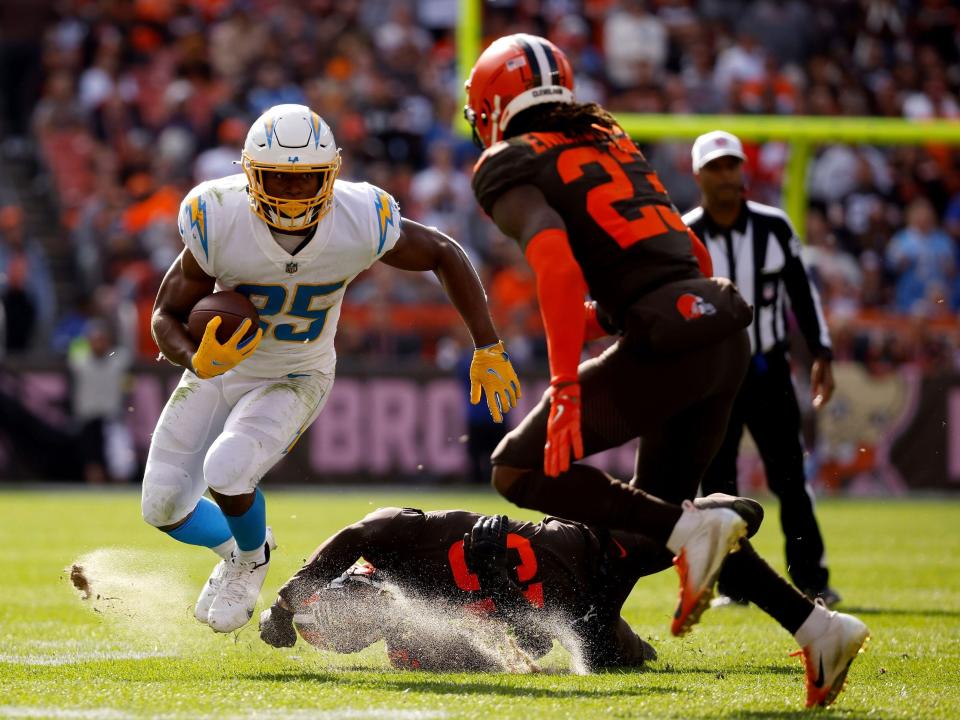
(233, 307)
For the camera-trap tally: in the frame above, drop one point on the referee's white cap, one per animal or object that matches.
(714, 144)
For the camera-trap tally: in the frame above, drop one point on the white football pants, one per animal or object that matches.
(224, 433)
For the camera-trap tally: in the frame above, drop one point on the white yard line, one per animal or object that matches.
(81, 657)
(25, 711)
(346, 714)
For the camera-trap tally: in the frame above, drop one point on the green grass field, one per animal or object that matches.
(139, 653)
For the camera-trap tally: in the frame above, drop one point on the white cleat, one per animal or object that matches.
(701, 539)
(212, 585)
(828, 655)
(210, 589)
(239, 589)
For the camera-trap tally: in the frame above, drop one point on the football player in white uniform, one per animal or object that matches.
(290, 236)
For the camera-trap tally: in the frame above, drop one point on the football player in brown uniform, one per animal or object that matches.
(524, 574)
(591, 216)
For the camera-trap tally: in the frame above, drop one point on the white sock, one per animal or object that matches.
(256, 555)
(814, 626)
(688, 522)
(225, 549)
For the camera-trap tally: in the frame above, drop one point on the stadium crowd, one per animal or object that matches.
(126, 105)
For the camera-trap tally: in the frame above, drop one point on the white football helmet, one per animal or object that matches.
(290, 138)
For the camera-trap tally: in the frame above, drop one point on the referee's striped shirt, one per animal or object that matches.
(761, 255)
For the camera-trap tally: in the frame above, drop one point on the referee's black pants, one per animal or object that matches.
(767, 407)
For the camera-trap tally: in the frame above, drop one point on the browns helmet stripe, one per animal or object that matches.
(542, 53)
(552, 61)
(532, 60)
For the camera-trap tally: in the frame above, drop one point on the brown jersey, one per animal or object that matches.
(625, 233)
(560, 566)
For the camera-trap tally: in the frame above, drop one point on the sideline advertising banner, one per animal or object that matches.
(879, 435)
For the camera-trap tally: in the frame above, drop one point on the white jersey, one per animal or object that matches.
(298, 296)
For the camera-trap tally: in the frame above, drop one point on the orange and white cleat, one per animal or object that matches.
(701, 539)
(830, 642)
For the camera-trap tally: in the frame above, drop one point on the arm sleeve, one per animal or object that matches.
(194, 223)
(560, 290)
(804, 297)
(379, 530)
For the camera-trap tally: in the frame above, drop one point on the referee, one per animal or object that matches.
(756, 247)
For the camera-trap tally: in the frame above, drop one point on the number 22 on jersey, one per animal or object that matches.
(272, 300)
(654, 219)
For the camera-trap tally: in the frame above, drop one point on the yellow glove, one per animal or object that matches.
(492, 372)
(212, 358)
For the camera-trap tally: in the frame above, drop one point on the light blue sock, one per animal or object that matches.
(250, 529)
(207, 526)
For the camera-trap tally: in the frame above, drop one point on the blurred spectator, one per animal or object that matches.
(26, 289)
(839, 169)
(744, 61)
(934, 101)
(863, 218)
(836, 273)
(400, 40)
(23, 22)
(272, 86)
(571, 33)
(635, 44)
(222, 160)
(697, 75)
(783, 26)
(923, 257)
(441, 191)
(98, 378)
(58, 106)
(772, 93)
(104, 79)
(235, 42)
(951, 219)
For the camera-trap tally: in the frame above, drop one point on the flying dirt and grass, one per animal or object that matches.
(124, 644)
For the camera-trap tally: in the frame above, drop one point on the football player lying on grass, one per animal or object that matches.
(553, 579)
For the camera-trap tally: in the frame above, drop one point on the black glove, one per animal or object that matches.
(485, 548)
(276, 627)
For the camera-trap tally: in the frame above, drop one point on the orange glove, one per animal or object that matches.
(563, 429)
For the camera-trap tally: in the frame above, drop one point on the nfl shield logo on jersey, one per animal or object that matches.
(291, 268)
